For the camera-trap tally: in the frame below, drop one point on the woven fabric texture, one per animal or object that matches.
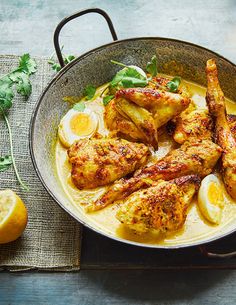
(52, 238)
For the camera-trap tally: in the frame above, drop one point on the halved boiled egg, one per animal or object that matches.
(211, 198)
(77, 125)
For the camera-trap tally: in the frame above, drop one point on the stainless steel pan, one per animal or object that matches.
(174, 57)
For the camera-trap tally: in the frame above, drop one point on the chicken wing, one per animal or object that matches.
(142, 119)
(97, 162)
(162, 207)
(163, 105)
(197, 157)
(146, 109)
(224, 137)
(120, 125)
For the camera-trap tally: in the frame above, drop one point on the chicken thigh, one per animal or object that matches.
(97, 162)
(198, 157)
(162, 207)
(193, 124)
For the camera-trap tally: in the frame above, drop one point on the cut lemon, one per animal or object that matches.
(13, 216)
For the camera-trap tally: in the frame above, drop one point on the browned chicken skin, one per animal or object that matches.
(197, 157)
(193, 124)
(137, 113)
(163, 105)
(121, 125)
(141, 117)
(224, 137)
(97, 162)
(161, 207)
(231, 118)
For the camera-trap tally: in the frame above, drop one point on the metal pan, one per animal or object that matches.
(174, 57)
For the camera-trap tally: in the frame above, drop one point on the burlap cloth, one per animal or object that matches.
(52, 238)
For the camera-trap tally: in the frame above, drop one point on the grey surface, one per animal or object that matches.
(119, 287)
(27, 26)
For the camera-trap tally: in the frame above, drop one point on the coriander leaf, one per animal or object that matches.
(152, 66)
(6, 93)
(5, 163)
(27, 64)
(129, 77)
(79, 107)
(20, 78)
(22, 81)
(129, 82)
(173, 85)
(56, 67)
(24, 86)
(68, 59)
(89, 92)
(107, 99)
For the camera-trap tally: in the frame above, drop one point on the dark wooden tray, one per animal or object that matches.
(99, 252)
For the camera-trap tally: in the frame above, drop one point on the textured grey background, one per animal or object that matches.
(27, 25)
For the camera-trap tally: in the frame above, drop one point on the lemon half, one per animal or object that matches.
(13, 216)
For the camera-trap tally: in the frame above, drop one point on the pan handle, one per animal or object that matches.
(73, 16)
(206, 253)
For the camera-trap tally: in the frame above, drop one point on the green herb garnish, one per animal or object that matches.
(89, 92)
(152, 66)
(107, 99)
(173, 85)
(20, 79)
(68, 59)
(128, 77)
(79, 107)
(27, 65)
(56, 66)
(5, 163)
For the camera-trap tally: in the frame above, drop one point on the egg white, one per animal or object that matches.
(66, 135)
(212, 212)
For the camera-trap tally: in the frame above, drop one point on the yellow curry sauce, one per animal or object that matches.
(196, 228)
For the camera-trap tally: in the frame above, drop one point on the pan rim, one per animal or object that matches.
(51, 193)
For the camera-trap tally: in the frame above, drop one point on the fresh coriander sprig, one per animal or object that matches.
(173, 85)
(20, 78)
(128, 77)
(23, 185)
(56, 66)
(152, 66)
(89, 92)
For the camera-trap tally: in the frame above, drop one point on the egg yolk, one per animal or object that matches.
(81, 124)
(215, 194)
